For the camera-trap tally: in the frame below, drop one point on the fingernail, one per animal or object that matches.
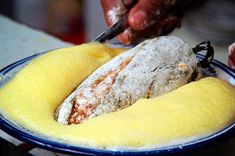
(126, 37)
(139, 20)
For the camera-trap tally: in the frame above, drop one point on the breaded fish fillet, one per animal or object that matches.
(150, 69)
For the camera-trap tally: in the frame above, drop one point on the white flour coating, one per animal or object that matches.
(114, 14)
(158, 66)
(150, 21)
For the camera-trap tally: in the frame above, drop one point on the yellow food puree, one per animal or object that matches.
(194, 110)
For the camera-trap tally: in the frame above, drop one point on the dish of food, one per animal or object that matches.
(150, 69)
(50, 134)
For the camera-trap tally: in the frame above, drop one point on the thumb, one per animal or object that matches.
(148, 12)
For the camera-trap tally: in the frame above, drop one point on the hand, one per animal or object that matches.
(146, 18)
(231, 56)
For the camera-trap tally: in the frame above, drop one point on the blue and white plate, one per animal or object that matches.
(220, 71)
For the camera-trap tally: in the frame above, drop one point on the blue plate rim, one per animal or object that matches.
(12, 129)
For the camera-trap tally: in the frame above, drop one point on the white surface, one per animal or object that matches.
(18, 41)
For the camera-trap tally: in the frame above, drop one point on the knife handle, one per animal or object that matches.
(113, 31)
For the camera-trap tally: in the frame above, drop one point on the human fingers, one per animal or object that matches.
(231, 56)
(165, 25)
(147, 12)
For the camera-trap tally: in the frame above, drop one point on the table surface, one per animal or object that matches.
(19, 41)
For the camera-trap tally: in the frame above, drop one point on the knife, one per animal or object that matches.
(113, 31)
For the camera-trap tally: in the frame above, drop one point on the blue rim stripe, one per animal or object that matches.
(15, 64)
(59, 147)
(12, 129)
(221, 65)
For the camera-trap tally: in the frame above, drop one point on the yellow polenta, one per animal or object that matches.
(194, 110)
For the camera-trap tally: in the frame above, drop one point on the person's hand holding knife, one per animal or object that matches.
(144, 18)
